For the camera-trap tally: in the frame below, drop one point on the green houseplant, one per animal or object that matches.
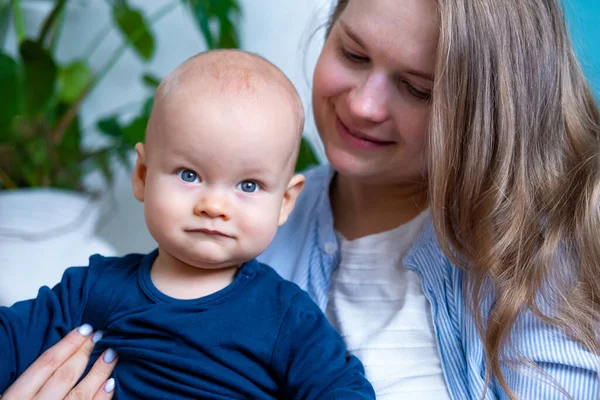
(40, 132)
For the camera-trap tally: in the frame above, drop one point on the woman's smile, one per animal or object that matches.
(360, 140)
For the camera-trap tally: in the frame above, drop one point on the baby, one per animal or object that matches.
(199, 317)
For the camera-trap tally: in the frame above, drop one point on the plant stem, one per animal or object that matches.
(98, 39)
(49, 22)
(19, 22)
(68, 117)
(119, 52)
(122, 109)
(71, 113)
(6, 181)
(56, 32)
(96, 153)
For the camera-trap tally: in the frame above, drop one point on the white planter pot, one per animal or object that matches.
(43, 232)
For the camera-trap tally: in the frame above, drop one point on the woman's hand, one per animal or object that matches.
(54, 374)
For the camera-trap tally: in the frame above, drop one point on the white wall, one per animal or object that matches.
(280, 30)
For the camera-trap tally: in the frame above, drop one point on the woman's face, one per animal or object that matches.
(372, 89)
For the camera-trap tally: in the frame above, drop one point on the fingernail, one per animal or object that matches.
(97, 336)
(85, 329)
(109, 386)
(109, 356)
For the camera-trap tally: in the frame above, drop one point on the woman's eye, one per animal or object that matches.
(248, 186)
(418, 93)
(187, 175)
(355, 58)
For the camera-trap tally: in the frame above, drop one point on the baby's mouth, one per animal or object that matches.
(212, 232)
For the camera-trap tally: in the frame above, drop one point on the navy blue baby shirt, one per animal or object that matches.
(261, 337)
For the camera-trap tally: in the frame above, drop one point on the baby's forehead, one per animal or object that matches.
(227, 72)
(235, 155)
(234, 95)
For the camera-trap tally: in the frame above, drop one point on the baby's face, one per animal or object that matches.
(218, 170)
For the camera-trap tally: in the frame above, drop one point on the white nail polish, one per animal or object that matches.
(109, 356)
(109, 386)
(97, 336)
(85, 329)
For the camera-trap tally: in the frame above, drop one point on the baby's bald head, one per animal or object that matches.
(230, 71)
(232, 76)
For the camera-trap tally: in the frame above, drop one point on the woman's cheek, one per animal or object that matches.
(327, 77)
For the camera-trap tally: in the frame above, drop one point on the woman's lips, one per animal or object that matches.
(359, 140)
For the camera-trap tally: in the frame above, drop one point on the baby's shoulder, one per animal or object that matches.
(269, 277)
(110, 273)
(281, 292)
(118, 265)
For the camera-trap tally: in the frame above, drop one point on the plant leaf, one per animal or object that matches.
(224, 11)
(102, 159)
(11, 100)
(51, 20)
(227, 35)
(37, 169)
(148, 107)
(135, 131)
(201, 16)
(110, 126)
(68, 175)
(123, 156)
(69, 150)
(306, 156)
(73, 79)
(220, 12)
(40, 76)
(134, 27)
(151, 80)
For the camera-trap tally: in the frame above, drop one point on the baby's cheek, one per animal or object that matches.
(259, 223)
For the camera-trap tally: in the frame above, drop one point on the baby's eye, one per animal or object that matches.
(248, 186)
(187, 175)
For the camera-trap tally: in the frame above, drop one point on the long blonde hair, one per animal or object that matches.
(514, 168)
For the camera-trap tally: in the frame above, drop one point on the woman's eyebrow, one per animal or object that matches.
(420, 74)
(352, 34)
(411, 71)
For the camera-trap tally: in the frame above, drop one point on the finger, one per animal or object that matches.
(106, 391)
(95, 380)
(64, 378)
(38, 373)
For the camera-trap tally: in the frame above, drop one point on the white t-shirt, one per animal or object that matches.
(381, 311)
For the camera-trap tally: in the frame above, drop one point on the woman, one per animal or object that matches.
(460, 213)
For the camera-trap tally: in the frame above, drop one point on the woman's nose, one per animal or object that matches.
(212, 205)
(368, 100)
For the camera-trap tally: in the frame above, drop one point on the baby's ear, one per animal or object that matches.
(289, 197)
(138, 176)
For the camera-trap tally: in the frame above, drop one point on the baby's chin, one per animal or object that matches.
(211, 264)
(212, 255)
(216, 263)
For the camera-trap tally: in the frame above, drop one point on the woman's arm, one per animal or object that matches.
(54, 374)
(556, 366)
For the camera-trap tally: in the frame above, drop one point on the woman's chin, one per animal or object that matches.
(351, 166)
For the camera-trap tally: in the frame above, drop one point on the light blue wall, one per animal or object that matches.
(583, 17)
